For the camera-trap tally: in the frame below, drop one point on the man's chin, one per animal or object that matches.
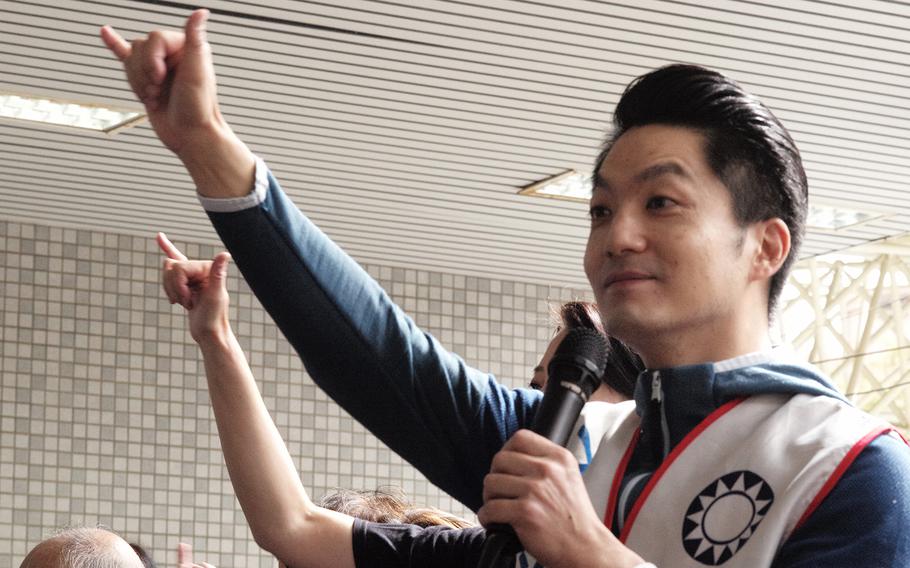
(629, 327)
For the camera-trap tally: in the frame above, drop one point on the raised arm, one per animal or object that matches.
(282, 517)
(444, 417)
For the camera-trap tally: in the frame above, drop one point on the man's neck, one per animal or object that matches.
(708, 344)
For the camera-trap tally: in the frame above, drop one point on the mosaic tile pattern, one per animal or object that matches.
(104, 415)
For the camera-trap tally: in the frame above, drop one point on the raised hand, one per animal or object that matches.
(171, 72)
(200, 287)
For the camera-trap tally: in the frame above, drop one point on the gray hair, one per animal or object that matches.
(83, 547)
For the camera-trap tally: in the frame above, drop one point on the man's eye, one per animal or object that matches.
(598, 212)
(659, 202)
(535, 386)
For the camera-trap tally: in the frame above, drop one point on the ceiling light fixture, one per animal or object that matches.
(568, 185)
(65, 113)
(833, 218)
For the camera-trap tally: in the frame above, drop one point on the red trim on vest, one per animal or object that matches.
(668, 461)
(617, 480)
(839, 471)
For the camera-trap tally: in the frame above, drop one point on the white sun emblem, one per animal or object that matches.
(724, 516)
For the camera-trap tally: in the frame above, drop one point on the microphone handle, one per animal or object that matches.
(554, 421)
(501, 543)
(558, 414)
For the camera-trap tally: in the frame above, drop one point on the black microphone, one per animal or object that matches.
(574, 373)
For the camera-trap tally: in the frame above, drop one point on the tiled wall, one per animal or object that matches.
(104, 415)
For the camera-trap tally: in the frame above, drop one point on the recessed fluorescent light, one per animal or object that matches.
(63, 113)
(834, 218)
(568, 185)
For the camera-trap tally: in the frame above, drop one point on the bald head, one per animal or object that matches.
(82, 548)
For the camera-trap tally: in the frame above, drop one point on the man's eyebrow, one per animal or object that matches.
(651, 172)
(597, 182)
(538, 369)
(660, 169)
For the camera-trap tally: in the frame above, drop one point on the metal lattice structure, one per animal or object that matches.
(847, 314)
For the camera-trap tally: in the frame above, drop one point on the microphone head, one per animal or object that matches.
(581, 358)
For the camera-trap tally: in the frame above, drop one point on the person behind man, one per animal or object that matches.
(733, 453)
(83, 547)
(625, 365)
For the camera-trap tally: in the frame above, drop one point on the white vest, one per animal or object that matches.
(735, 488)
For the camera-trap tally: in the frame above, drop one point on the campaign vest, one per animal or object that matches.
(735, 488)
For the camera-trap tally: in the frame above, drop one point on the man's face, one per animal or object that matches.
(665, 255)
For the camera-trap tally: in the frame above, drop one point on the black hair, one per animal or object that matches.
(748, 149)
(144, 556)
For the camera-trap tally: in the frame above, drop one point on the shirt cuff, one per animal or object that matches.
(248, 201)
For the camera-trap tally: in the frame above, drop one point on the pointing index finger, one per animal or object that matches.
(184, 555)
(119, 46)
(168, 248)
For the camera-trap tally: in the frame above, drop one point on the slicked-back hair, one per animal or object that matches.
(748, 149)
(623, 364)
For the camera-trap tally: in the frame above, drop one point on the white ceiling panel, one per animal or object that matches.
(405, 128)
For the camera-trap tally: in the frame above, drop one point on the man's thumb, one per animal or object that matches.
(195, 29)
(219, 266)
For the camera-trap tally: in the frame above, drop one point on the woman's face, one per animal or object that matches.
(539, 379)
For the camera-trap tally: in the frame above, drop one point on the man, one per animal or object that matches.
(77, 547)
(733, 455)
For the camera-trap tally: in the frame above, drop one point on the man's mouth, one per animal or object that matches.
(626, 277)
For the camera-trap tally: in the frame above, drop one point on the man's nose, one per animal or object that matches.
(624, 234)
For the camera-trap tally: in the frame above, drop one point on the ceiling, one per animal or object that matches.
(405, 128)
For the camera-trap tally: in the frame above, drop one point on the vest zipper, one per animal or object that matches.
(657, 396)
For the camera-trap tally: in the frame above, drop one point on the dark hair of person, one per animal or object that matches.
(147, 561)
(623, 364)
(748, 149)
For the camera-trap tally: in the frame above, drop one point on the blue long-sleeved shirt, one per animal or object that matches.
(449, 419)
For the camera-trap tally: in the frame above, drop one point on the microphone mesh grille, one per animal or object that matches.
(587, 344)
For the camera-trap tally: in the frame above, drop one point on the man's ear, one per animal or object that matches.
(773, 238)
